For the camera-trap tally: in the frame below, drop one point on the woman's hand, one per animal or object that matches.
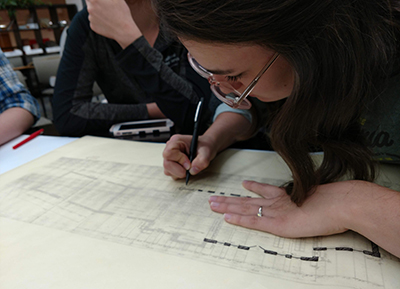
(113, 19)
(176, 156)
(364, 207)
(321, 214)
(226, 129)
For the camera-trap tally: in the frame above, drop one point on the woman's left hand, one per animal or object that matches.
(322, 213)
(364, 207)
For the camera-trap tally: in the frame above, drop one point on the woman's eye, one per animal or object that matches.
(233, 78)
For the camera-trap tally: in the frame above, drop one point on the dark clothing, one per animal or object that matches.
(128, 78)
(381, 123)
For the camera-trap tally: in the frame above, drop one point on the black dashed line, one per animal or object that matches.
(243, 247)
(210, 241)
(344, 249)
(311, 259)
(320, 248)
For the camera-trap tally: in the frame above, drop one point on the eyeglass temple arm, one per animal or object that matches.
(248, 90)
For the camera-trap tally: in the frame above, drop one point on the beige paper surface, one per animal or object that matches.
(99, 213)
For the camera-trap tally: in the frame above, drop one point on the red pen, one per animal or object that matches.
(32, 136)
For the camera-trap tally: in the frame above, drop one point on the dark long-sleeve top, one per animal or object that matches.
(129, 79)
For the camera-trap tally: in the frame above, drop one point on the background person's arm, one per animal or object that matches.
(163, 72)
(18, 108)
(89, 57)
(14, 122)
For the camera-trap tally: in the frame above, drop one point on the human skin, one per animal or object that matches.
(275, 84)
(218, 137)
(364, 207)
(125, 21)
(14, 122)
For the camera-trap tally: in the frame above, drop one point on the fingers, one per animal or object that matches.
(265, 190)
(254, 222)
(200, 162)
(235, 200)
(240, 205)
(176, 161)
(275, 208)
(113, 19)
(242, 208)
(245, 214)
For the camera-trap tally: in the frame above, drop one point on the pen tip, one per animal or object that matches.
(187, 177)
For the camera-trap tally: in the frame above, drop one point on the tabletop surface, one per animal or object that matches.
(37, 147)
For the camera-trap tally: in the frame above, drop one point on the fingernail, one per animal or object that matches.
(227, 217)
(214, 205)
(194, 171)
(186, 166)
(212, 198)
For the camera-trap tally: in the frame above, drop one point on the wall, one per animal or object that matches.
(7, 38)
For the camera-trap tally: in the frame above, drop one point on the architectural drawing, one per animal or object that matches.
(136, 205)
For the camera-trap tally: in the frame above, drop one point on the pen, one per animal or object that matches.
(193, 144)
(32, 136)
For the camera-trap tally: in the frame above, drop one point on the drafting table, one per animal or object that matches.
(100, 213)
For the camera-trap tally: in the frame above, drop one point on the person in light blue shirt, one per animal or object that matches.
(19, 110)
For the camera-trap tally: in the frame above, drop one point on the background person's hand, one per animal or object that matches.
(113, 19)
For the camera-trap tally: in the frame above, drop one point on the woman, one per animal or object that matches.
(327, 72)
(142, 73)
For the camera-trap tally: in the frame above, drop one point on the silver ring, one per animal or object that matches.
(259, 212)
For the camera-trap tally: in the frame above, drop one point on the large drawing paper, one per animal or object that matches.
(100, 213)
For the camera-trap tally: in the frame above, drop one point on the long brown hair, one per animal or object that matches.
(341, 52)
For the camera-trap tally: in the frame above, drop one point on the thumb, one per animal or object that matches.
(200, 163)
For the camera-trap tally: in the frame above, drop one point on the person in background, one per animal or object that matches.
(328, 73)
(142, 73)
(19, 110)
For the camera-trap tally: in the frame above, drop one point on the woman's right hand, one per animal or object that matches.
(227, 128)
(176, 155)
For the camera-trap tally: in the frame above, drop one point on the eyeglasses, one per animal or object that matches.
(233, 99)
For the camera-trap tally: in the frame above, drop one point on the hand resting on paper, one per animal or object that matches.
(364, 207)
